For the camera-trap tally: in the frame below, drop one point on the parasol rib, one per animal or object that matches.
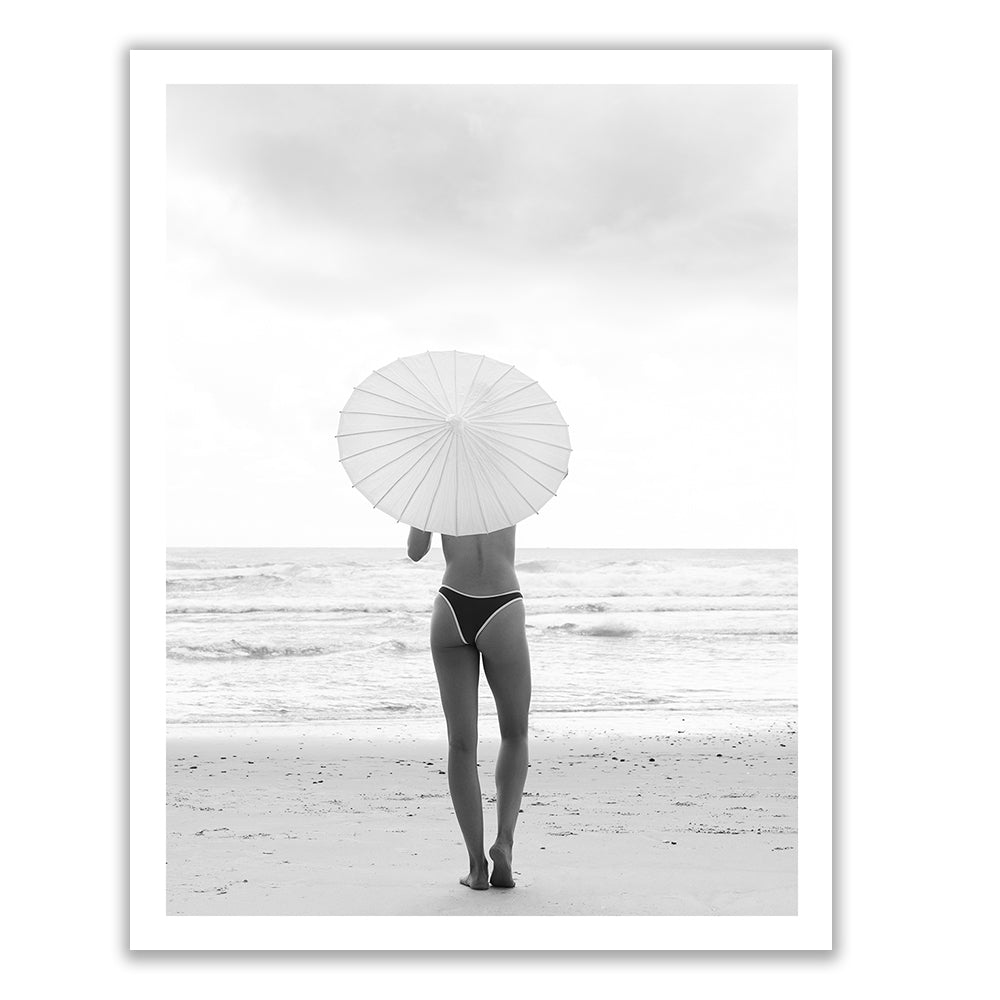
(416, 488)
(522, 423)
(514, 447)
(524, 437)
(401, 477)
(488, 478)
(444, 465)
(482, 396)
(500, 399)
(442, 406)
(430, 444)
(427, 395)
(393, 416)
(513, 486)
(389, 444)
(482, 358)
(371, 392)
(382, 430)
(519, 409)
(419, 399)
(519, 469)
(437, 374)
(475, 488)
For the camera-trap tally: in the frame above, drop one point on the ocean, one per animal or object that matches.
(340, 636)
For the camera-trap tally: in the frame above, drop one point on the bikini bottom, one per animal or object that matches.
(473, 614)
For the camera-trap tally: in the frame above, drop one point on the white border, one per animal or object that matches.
(150, 72)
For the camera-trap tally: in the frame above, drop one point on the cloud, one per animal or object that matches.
(631, 247)
(595, 181)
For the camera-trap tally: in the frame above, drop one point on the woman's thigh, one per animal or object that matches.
(507, 666)
(457, 667)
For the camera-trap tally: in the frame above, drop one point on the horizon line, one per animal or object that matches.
(635, 548)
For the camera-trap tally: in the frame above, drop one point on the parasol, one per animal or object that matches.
(454, 443)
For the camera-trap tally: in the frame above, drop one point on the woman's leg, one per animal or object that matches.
(508, 670)
(457, 668)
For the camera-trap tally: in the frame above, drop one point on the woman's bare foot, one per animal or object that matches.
(503, 876)
(477, 877)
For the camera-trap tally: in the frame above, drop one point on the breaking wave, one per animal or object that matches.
(236, 650)
(236, 609)
(605, 631)
(291, 635)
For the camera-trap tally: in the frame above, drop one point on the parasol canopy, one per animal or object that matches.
(454, 443)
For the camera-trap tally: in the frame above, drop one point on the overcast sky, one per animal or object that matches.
(632, 248)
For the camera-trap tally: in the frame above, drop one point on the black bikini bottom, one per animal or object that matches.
(473, 614)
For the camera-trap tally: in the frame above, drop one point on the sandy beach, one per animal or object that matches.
(306, 745)
(697, 820)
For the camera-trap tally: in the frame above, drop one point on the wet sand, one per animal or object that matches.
(684, 822)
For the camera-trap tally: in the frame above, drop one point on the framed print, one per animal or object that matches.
(481, 499)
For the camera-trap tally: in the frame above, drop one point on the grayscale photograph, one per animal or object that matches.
(481, 500)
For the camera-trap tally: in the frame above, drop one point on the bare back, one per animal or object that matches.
(480, 564)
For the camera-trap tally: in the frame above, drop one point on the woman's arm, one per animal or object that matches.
(418, 544)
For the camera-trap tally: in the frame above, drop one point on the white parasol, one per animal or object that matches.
(454, 443)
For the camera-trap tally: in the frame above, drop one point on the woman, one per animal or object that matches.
(479, 610)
